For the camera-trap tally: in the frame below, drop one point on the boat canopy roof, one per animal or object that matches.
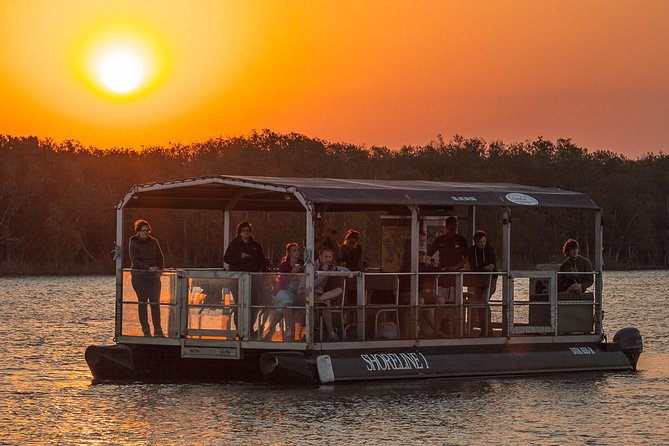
(257, 193)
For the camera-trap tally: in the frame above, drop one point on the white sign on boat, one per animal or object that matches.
(522, 199)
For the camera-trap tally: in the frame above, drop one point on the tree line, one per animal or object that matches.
(57, 198)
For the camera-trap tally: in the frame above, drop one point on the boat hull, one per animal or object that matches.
(165, 363)
(338, 366)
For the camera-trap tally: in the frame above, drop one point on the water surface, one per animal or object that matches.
(46, 394)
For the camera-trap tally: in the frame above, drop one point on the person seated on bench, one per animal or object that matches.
(432, 319)
(326, 288)
(428, 295)
(287, 291)
(574, 283)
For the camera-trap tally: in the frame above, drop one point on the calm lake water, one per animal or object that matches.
(46, 394)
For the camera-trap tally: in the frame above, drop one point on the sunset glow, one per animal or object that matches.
(121, 71)
(131, 73)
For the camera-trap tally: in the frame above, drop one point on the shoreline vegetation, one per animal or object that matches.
(57, 200)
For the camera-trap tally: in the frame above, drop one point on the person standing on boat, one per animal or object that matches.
(452, 248)
(453, 251)
(574, 283)
(146, 263)
(322, 239)
(350, 257)
(244, 253)
(350, 251)
(482, 258)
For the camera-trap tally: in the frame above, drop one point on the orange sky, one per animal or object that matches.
(376, 73)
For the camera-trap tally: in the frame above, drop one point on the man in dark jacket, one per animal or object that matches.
(147, 263)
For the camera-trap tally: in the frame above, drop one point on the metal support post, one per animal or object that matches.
(309, 258)
(118, 253)
(599, 264)
(415, 237)
(507, 292)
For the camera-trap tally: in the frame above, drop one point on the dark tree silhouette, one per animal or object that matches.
(57, 199)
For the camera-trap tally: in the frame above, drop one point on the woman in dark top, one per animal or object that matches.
(350, 251)
(244, 253)
(287, 290)
(147, 263)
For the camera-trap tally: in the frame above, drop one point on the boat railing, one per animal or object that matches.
(219, 305)
(539, 308)
(472, 301)
(211, 306)
(162, 314)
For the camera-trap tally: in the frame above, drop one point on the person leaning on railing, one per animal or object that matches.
(146, 263)
(575, 263)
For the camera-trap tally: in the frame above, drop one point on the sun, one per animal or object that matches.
(121, 71)
(121, 62)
